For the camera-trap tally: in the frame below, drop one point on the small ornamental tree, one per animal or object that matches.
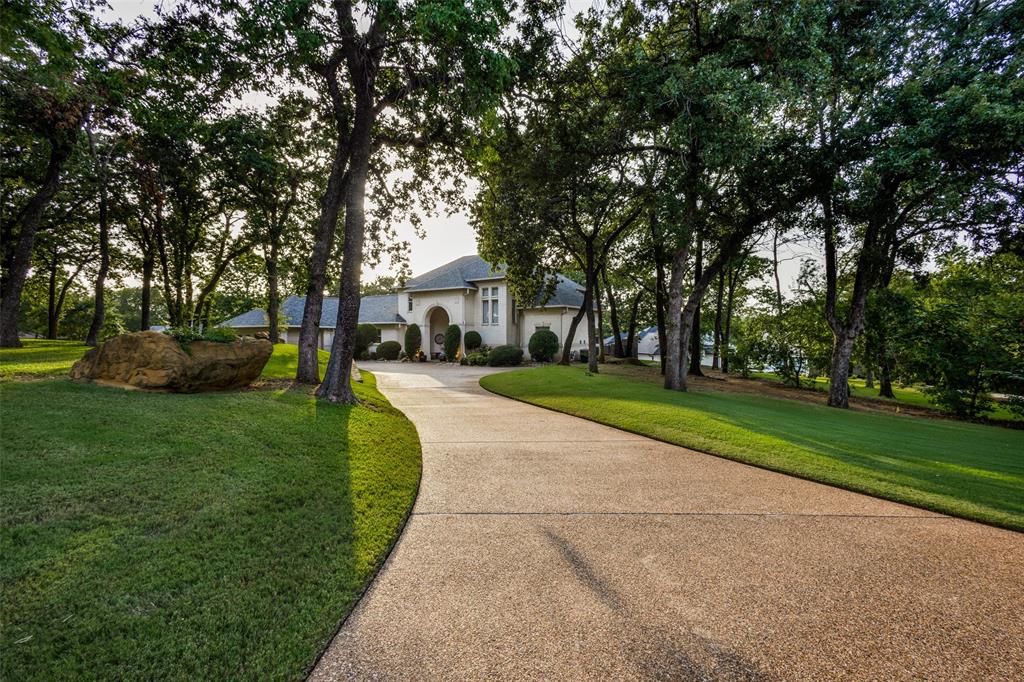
(452, 341)
(414, 338)
(543, 345)
(473, 340)
(365, 335)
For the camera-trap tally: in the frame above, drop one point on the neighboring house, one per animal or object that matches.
(468, 292)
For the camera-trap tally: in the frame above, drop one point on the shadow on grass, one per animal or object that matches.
(218, 535)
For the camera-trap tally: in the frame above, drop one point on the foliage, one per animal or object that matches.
(543, 345)
(452, 341)
(473, 340)
(413, 339)
(186, 335)
(968, 338)
(389, 350)
(956, 468)
(366, 335)
(505, 356)
(478, 358)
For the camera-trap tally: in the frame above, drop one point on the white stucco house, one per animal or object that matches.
(467, 291)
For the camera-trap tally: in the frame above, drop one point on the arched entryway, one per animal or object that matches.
(437, 323)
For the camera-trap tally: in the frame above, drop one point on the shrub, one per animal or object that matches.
(413, 339)
(505, 356)
(365, 335)
(473, 340)
(543, 345)
(365, 355)
(477, 358)
(452, 340)
(389, 350)
(186, 335)
(220, 335)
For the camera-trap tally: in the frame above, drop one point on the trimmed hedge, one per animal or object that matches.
(473, 340)
(389, 350)
(413, 339)
(452, 341)
(543, 345)
(505, 356)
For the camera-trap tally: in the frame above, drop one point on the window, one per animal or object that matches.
(489, 295)
(410, 304)
(376, 337)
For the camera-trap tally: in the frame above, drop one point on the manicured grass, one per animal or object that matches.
(211, 536)
(904, 394)
(40, 357)
(958, 468)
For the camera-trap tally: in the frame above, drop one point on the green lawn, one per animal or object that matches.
(212, 536)
(904, 394)
(958, 468)
(40, 358)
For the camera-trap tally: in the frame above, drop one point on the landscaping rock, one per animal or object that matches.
(151, 360)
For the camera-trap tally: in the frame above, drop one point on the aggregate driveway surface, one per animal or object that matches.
(543, 546)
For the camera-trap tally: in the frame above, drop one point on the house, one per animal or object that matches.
(467, 291)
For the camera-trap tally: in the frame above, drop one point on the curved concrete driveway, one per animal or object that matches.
(543, 546)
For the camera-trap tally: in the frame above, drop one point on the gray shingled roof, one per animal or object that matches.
(372, 310)
(567, 293)
(459, 274)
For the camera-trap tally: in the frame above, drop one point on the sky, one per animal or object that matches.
(449, 235)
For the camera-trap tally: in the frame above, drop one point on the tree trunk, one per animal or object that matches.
(885, 380)
(597, 325)
(99, 307)
(672, 351)
(631, 341)
(336, 386)
(697, 343)
(273, 298)
(308, 371)
(718, 320)
(660, 309)
(148, 264)
(842, 352)
(593, 351)
(573, 326)
(613, 313)
(51, 299)
(727, 332)
(10, 302)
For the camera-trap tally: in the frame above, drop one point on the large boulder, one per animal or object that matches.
(153, 360)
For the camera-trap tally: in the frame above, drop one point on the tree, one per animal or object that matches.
(268, 157)
(48, 85)
(902, 140)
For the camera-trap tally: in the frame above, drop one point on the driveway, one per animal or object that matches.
(543, 546)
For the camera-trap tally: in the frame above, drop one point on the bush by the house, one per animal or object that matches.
(365, 335)
(452, 340)
(413, 339)
(365, 355)
(505, 356)
(543, 345)
(477, 358)
(473, 340)
(389, 350)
